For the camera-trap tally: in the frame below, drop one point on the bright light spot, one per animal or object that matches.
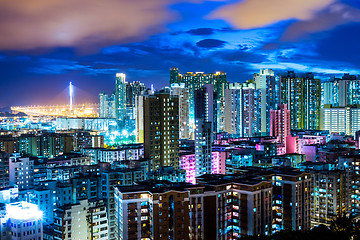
(23, 211)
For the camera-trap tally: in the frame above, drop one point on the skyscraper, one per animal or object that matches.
(175, 77)
(302, 94)
(161, 129)
(184, 121)
(203, 145)
(268, 97)
(139, 118)
(341, 92)
(133, 90)
(107, 105)
(242, 115)
(204, 128)
(205, 105)
(195, 81)
(120, 100)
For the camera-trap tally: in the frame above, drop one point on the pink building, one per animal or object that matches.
(218, 163)
(292, 144)
(187, 163)
(280, 123)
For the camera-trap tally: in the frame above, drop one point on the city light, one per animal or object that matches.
(237, 120)
(71, 96)
(23, 211)
(81, 110)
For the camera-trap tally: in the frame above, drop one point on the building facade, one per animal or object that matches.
(302, 94)
(161, 130)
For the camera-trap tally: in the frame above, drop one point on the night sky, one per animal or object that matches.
(44, 44)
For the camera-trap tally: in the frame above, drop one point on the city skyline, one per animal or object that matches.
(179, 119)
(317, 36)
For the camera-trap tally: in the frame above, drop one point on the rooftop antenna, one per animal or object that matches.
(71, 95)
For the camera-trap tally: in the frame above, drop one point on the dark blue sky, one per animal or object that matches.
(45, 44)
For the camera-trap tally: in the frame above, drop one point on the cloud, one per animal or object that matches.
(249, 14)
(309, 16)
(210, 43)
(201, 31)
(84, 24)
(333, 16)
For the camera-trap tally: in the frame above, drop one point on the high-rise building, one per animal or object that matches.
(265, 82)
(139, 118)
(291, 200)
(21, 171)
(110, 179)
(354, 193)
(175, 77)
(203, 144)
(242, 117)
(152, 210)
(133, 90)
(329, 94)
(205, 105)
(161, 129)
(22, 220)
(235, 206)
(97, 220)
(302, 94)
(195, 81)
(70, 221)
(107, 105)
(4, 170)
(280, 123)
(184, 119)
(120, 97)
(341, 92)
(219, 208)
(205, 122)
(341, 119)
(123, 102)
(330, 196)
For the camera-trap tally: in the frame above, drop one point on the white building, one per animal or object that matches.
(341, 119)
(96, 124)
(70, 221)
(21, 171)
(107, 105)
(21, 220)
(124, 152)
(184, 118)
(265, 82)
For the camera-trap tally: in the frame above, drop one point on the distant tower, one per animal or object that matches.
(71, 95)
(120, 93)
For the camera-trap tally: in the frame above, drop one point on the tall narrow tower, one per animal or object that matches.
(71, 95)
